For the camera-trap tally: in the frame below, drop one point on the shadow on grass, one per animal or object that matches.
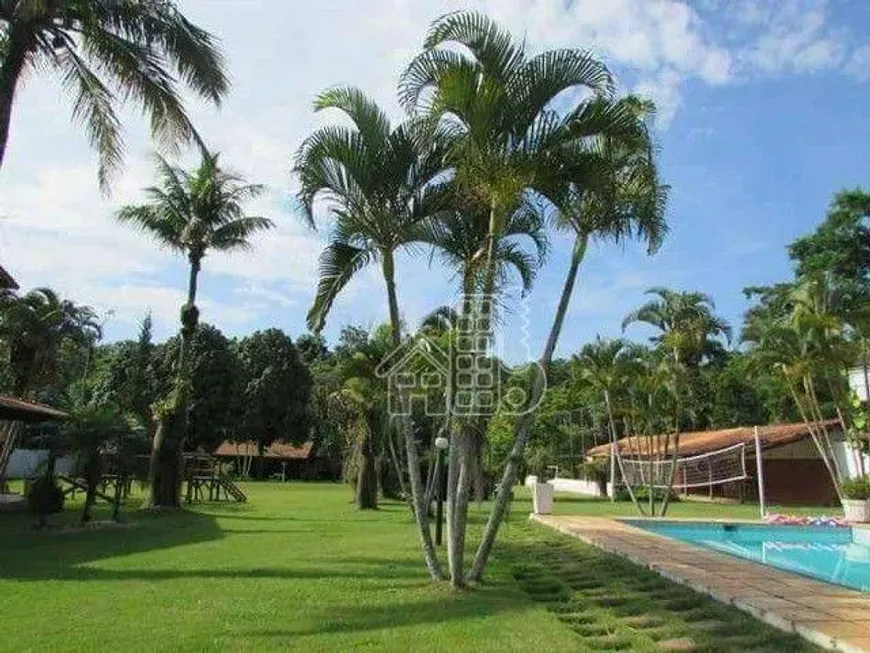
(31, 554)
(344, 619)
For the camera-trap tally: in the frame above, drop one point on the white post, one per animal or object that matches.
(612, 470)
(760, 473)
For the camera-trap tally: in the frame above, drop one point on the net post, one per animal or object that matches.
(759, 466)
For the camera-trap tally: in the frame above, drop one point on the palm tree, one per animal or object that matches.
(381, 183)
(602, 365)
(34, 327)
(104, 51)
(460, 237)
(459, 241)
(493, 103)
(688, 328)
(189, 213)
(608, 189)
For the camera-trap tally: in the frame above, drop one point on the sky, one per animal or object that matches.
(761, 118)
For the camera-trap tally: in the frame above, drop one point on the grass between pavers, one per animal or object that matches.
(615, 605)
(299, 568)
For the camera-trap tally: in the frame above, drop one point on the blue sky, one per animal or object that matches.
(762, 111)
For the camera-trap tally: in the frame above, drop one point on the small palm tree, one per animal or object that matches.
(603, 366)
(34, 326)
(460, 240)
(190, 213)
(688, 328)
(104, 51)
(381, 183)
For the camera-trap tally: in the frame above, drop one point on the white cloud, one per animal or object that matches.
(56, 229)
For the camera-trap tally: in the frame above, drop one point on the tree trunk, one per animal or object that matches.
(421, 512)
(92, 473)
(525, 422)
(367, 483)
(20, 39)
(614, 454)
(167, 451)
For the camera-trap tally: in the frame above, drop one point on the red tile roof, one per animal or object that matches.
(25, 411)
(280, 450)
(699, 442)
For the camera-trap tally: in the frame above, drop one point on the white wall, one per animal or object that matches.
(569, 485)
(24, 463)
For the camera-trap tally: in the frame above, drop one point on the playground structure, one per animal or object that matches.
(205, 482)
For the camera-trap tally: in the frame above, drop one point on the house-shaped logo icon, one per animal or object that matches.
(418, 371)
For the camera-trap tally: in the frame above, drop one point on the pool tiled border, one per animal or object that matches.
(833, 617)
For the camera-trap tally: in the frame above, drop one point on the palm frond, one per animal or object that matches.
(339, 262)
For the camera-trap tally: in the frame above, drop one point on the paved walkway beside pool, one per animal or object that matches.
(832, 616)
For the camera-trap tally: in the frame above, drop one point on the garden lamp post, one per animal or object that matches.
(441, 444)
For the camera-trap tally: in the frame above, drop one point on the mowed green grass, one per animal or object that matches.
(299, 568)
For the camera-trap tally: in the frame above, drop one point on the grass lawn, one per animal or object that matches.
(297, 567)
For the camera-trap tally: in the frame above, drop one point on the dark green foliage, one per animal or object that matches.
(641, 493)
(841, 244)
(45, 498)
(35, 328)
(274, 390)
(214, 370)
(123, 374)
(857, 488)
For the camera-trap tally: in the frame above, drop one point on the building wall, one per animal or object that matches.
(24, 463)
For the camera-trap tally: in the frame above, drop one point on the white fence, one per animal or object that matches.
(24, 463)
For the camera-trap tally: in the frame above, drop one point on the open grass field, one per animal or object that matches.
(299, 568)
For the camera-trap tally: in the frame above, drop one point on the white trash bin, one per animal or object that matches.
(542, 498)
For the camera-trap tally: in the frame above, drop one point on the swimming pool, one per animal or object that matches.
(835, 555)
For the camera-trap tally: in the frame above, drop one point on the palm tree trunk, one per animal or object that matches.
(421, 512)
(19, 42)
(525, 422)
(367, 483)
(614, 453)
(395, 458)
(167, 449)
(454, 462)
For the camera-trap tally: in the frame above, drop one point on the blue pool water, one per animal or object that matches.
(836, 555)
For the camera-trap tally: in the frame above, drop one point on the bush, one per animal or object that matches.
(45, 498)
(857, 489)
(641, 493)
(596, 471)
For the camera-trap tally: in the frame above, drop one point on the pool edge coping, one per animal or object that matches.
(770, 616)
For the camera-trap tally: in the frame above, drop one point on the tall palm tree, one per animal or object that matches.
(687, 326)
(608, 189)
(189, 213)
(106, 52)
(382, 185)
(493, 102)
